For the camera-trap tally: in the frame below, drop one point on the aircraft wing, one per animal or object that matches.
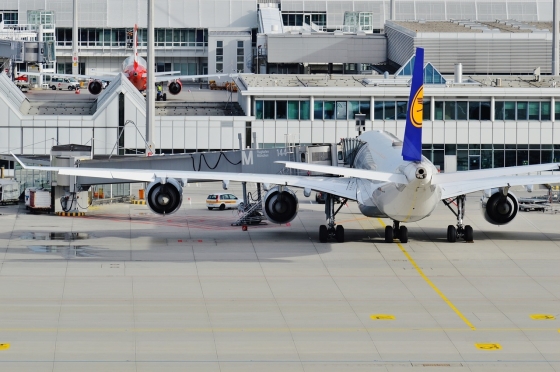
(442, 178)
(109, 76)
(452, 189)
(160, 79)
(162, 73)
(343, 187)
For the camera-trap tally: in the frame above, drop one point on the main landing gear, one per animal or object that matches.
(396, 232)
(461, 231)
(331, 230)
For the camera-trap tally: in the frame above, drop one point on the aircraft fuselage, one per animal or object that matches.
(405, 203)
(136, 72)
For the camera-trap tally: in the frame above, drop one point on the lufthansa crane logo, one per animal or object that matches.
(416, 113)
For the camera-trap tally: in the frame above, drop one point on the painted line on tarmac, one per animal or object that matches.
(431, 284)
(266, 330)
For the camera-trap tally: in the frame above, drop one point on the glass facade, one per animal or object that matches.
(322, 110)
(485, 156)
(522, 110)
(299, 19)
(117, 37)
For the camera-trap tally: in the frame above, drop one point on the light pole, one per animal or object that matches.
(258, 52)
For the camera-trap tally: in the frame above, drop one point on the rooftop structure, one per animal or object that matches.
(482, 47)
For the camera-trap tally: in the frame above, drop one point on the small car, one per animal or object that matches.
(222, 201)
(321, 196)
(61, 83)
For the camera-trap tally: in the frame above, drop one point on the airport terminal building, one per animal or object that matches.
(500, 110)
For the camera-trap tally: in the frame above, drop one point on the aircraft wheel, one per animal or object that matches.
(388, 234)
(403, 234)
(222, 207)
(468, 233)
(339, 234)
(451, 234)
(323, 234)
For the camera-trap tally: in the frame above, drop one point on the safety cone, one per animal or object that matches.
(77, 91)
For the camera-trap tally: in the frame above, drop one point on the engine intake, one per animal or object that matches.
(280, 206)
(95, 87)
(499, 209)
(164, 198)
(174, 87)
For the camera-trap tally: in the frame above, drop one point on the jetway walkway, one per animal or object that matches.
(263, 161)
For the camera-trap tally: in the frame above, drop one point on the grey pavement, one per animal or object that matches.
(139, 292)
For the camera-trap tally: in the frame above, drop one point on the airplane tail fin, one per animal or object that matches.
(412, 144)
(135, 45)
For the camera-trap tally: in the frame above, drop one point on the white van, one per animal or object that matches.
(65, 83)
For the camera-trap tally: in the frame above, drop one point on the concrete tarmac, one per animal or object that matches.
(123, 289)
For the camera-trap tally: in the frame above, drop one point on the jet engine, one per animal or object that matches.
(174, 86)
(164, 197)
(499, 209)
(280, 205)
(95, 87)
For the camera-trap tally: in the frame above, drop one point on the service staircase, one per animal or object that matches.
(250, 213)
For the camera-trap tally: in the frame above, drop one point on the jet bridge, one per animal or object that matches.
(238, 161)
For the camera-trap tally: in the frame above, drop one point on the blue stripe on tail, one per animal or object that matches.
(412, 144)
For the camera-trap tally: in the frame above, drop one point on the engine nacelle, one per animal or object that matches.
(164, 198)
(95, 87)
(280, 206)
(499, 209)
(174, 87)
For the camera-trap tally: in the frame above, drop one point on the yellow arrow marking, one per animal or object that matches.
(4, 346)
(542, 317)
(488, 346)
(382, 317)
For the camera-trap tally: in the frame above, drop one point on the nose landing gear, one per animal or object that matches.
(461, 231)
(331, 230)
(396, 232)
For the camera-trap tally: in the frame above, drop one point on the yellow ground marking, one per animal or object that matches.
(431, 284)
(382, 317)
(542, 317)
(4, 346)
(488, 346)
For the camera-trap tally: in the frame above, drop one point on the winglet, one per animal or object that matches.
(412, 144)
(19, 161)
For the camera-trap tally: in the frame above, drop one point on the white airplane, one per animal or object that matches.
(390, 179)
(135, 68)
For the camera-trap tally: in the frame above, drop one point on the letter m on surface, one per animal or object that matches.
(247, 157)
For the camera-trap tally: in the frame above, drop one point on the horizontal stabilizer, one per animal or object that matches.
(348, 172)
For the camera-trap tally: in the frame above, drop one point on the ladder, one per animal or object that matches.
(251, 212)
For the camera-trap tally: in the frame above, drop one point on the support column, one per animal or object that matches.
(75, 59)
(312, 108)
(432, 108)
(371, 112)
(552, 109)
(492, 109)
(150, 85)
(555, 37)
